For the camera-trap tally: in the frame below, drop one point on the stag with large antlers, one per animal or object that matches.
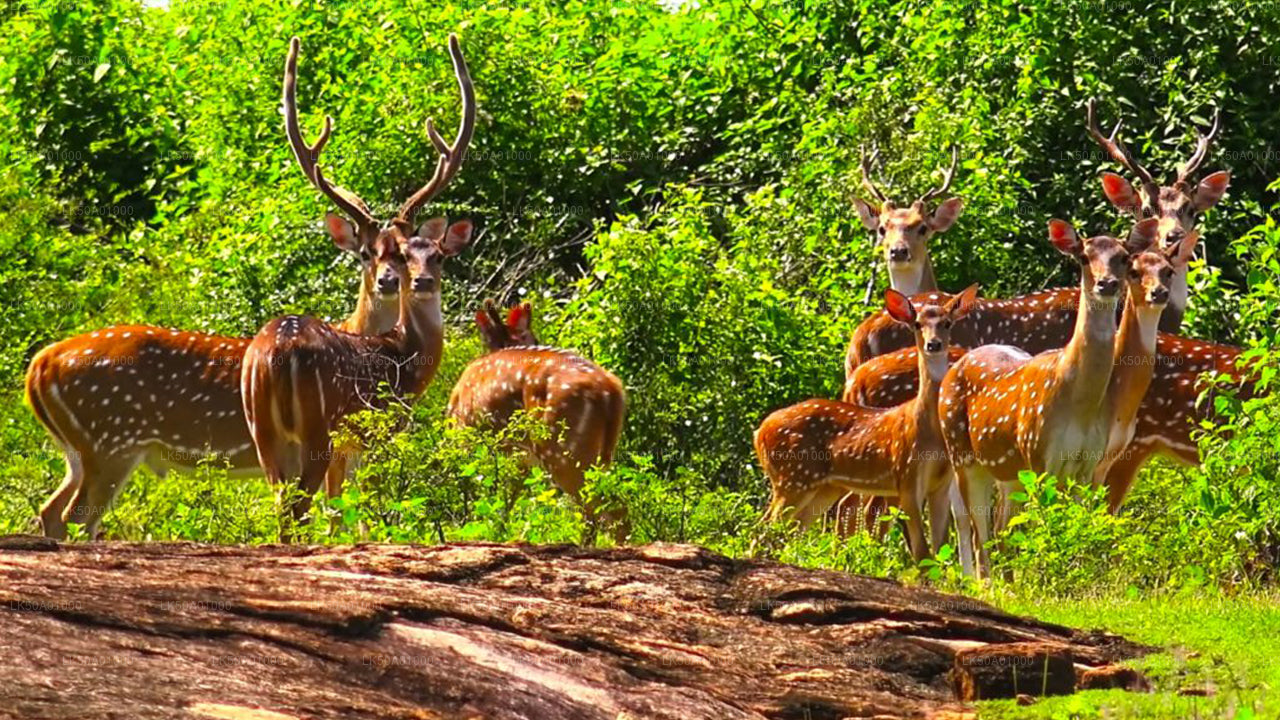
(903, 233)
(302, 378)
(1177, 206)
(582, 403)
(124, 396)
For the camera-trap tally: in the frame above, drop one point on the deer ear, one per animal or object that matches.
(1142, 236)
(1211, 189)
(432, 229)
(1064, 237)
(945, 216)
(520, 317)
(870, 214)
(456, 238)
(960, 305)
(899, 307)
(1179, 255)
(342, 231)
(482, 320)
(1120, 192)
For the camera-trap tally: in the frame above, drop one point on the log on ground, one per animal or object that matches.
(482, 631)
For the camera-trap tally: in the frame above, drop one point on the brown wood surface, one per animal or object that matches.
(144, 631)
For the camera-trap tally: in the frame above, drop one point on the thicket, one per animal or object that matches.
(670, 184)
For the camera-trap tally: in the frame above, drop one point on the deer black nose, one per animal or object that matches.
(424, 284)
(1107, 287)
(899, 254)
(1160, 295)
(933, 345)
(388, 284)
(1175, 236)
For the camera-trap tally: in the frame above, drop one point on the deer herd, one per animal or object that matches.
(947, 397)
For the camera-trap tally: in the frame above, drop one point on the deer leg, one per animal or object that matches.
(1122, 473)
(940, 514)
(97, 490)
(52, 521)
(964, 528)
(910, 501)
(818, 503)
(976, 488)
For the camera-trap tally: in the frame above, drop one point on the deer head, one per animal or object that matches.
(903, 233)
(360, 234)
(1176, 206)
(1104, 260)
(513, 332)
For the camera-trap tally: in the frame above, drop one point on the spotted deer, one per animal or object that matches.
(1177, 207)
(582, 403)
(302, 378)
(903, 233)
(130, 395)
(1004, 411)
(816, 451)
(1044, 320)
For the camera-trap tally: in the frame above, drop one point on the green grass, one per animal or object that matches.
(1229, 646)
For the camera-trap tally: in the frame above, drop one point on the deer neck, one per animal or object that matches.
(420, 341)
(931, 372)
(1086, 362)
(372, 315)
(1171, 319)
(913, 280)
(1135, 358)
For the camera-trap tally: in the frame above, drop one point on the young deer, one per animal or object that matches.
(903, 233)
(1044, 320)
(123, 396)
(583, 403)
(302, 378)
(816, 451)
(1004, 411)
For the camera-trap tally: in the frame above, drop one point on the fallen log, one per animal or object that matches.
(483, 631)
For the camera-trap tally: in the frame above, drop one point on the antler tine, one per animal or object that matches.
(866, 174)
(1202, 148)
(451, 157)
(308, 155)
(946, 179)
(1117, 150)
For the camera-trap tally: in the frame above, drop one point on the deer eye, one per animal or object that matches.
(922, 228)
(882, 230)
(945, 325)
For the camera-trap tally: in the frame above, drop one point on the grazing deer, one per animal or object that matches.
(302, 378)
(816, 451)
(1004, 411)
(583, 403)
(1044, 320)
(123, 396)
(903, 233)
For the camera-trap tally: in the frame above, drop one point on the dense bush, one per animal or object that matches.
(670, 186)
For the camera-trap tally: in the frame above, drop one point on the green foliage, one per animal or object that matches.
(674, 187)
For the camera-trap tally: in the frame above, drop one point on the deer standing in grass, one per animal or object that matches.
(124, 396)
(816, 451)
(582, 403)
(1004, 411)
(302, 378)
(1044, 320)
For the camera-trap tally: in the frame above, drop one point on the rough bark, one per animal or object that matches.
(479, 631)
